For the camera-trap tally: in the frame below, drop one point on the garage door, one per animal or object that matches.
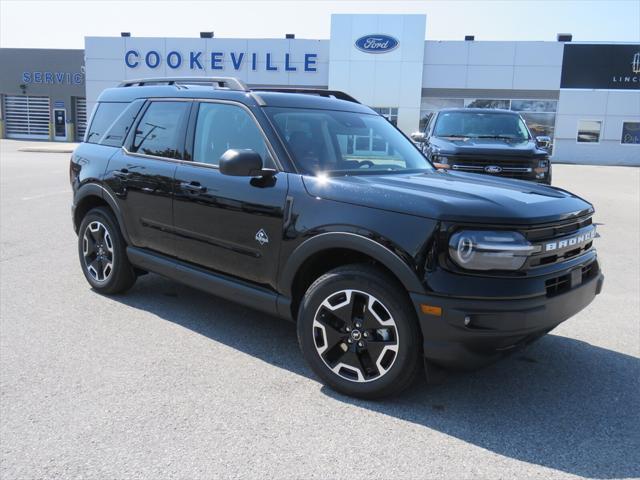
(26, 116)
(81, 118)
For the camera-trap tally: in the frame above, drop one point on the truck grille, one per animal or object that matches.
(555, 233)
(512, 167)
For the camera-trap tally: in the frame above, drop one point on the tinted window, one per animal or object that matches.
(331, 141)
(221, 126)
(160, 130)
(480, 125)
(103, 118)
(117, 132)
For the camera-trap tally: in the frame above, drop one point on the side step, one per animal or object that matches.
(220, 285)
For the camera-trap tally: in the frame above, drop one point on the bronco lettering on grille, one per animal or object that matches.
(571, 241)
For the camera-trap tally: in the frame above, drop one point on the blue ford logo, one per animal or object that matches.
(492, 169)
(377, 43)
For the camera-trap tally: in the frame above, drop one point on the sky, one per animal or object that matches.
(65, 23)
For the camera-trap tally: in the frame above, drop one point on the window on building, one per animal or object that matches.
(103, 118)
(534, 105)
(630, 133)
(158, 132)
(390, 113)
(589, 131)
(487, 103)
(220, 127)
(539, 115)
(540, 123)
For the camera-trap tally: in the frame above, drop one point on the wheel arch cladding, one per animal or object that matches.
(91, 196)
(324, 252)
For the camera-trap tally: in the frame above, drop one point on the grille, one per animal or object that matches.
(558, 285)
(555, 230)
(550, 233)
(483, 161)
(512, 167)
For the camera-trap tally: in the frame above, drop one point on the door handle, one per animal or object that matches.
(122, 173)
(193, 187)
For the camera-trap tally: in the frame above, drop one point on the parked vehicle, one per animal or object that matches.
(484, 140)
(307, 205)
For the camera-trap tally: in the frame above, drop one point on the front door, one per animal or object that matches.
(229, 224)
(141, 176)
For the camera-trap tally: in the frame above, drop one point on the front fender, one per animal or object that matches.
(351, 241)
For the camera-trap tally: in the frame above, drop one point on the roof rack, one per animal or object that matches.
(227, 83)
(232, 83)
(311, 91)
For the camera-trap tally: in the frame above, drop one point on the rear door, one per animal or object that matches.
(141, 175)
(229, 224)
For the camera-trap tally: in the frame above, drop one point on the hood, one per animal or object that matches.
(453, 196)
(487, 146)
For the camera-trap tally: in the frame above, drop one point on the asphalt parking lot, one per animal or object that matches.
(168, 382)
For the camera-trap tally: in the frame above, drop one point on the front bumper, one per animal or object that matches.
(494, 327)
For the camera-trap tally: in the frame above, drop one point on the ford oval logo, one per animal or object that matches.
(492, 169)
(377, 43)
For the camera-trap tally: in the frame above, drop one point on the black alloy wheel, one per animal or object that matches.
(358, 331)
(102, 252)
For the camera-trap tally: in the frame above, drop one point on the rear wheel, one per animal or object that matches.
(102, 252)
(357, 330)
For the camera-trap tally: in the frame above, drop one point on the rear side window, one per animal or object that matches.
(161, 129)
(103, 118)
(117, 132)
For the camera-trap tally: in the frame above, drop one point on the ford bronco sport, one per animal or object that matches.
(307, 205)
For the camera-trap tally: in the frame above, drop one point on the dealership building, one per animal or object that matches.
(586, 96)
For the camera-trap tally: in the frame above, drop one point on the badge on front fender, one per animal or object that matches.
(261, 237)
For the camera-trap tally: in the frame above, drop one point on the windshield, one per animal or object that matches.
(328, 141)
(480, 125)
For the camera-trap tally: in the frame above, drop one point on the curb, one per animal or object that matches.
(47, 149)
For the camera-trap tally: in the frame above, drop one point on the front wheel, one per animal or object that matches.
(358, 331)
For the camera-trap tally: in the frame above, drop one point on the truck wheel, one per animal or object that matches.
(359, 333)
(103, 255)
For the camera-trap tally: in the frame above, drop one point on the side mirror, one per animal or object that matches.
(418, 137)
(243, 163)
(543, 141)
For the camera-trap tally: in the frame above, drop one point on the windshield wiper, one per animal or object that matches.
(453, 135)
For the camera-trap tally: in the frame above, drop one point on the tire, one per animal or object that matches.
(102, 252)
(389, 356)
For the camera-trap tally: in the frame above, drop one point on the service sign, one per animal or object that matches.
(601, 66)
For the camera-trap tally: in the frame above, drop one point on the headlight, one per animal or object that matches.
(440, 161)
(489, 250)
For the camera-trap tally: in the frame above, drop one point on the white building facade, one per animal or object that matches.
(385, 62)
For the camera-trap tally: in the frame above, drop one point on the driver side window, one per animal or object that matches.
(221, 126)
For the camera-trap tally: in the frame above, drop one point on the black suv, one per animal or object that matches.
(483, 140)
(307, 205)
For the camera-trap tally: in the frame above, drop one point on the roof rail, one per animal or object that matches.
(228, 83)
(311, 91)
